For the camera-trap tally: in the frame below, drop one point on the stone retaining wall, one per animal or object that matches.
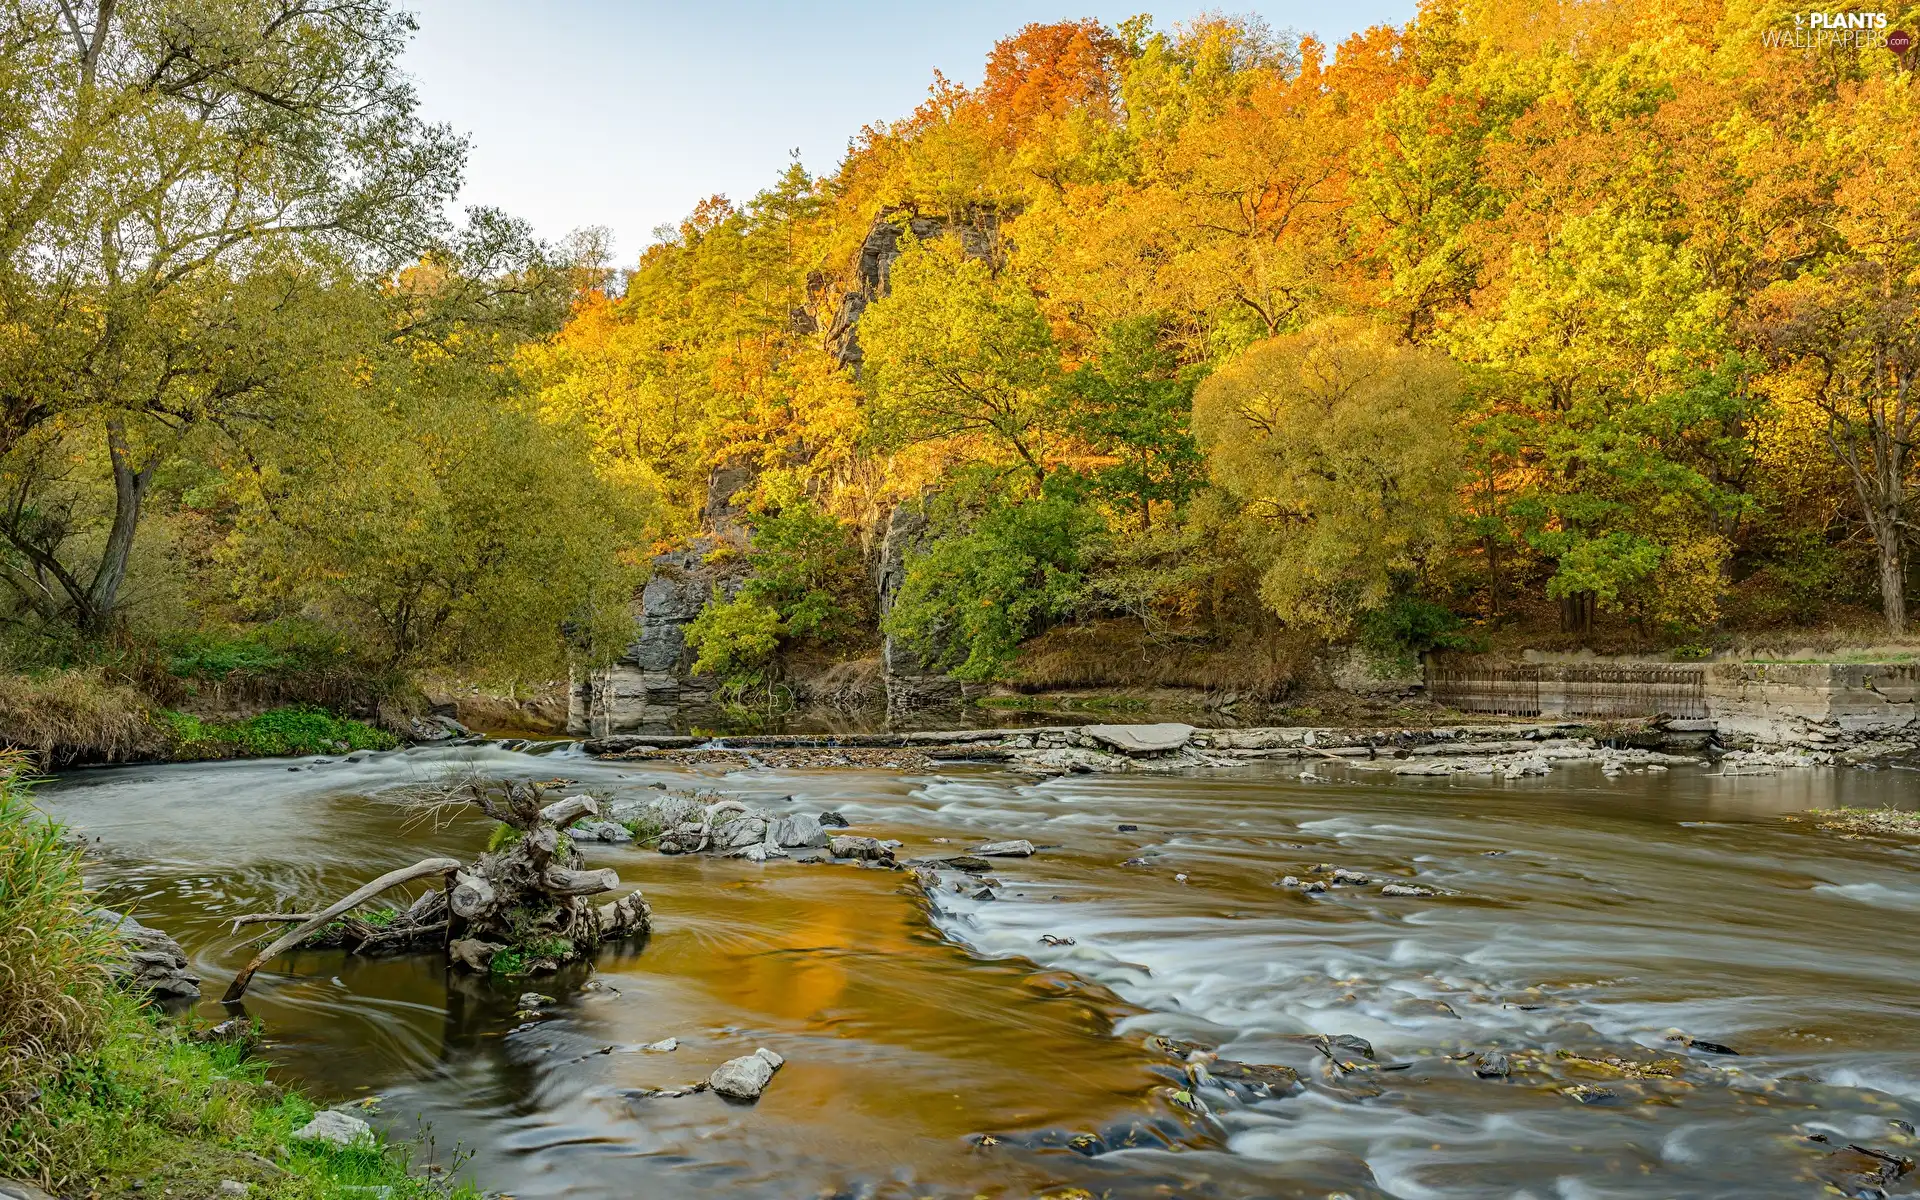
(1588, 691)
(1761, 702)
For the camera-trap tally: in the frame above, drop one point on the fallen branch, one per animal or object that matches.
(293, 937)
(265, 919)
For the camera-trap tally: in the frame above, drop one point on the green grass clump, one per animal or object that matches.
(503, 836)
(645, 829)
(518, 960)
(300, 729)
(53, 968)
(153, 1103)
(100, 1095)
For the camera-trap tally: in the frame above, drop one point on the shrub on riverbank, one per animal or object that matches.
(302, 729)
(102, 1095)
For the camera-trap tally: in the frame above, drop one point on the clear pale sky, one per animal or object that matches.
(624, 113)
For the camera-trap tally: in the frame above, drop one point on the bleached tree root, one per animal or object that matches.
(530, 900)
(299, 933)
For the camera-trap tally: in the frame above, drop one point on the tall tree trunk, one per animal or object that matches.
(1893, 582)
(1576, 613)
(129, 494)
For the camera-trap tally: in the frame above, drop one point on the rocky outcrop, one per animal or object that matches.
(150, 962)
(979, 236)
(651, 686)
(912, 685)
(692, 823)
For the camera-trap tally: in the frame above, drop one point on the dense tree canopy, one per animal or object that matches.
(1547, 317)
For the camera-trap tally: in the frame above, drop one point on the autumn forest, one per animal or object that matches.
(1581, 323)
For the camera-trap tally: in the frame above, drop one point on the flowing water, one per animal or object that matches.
(943, 1048)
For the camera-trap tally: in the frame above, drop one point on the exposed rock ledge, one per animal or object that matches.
(1489, 750)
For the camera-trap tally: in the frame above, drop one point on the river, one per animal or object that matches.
(945, 1049)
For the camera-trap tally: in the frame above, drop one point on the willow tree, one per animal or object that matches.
(1339, 442)
(156, 156)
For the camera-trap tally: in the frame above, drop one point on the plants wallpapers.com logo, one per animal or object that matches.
(1823, 30)
(1839, 20)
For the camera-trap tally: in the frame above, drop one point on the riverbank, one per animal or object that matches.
(158, 1108)
(104, 1097)
(85, 717)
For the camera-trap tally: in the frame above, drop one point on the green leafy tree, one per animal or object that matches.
(956, 350)
(158, 156)
(807, 568)
(990, 580)
(1133, 402)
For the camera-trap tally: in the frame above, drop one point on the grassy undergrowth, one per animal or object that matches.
(151, 1105)
(102, 1097)
(302, 729)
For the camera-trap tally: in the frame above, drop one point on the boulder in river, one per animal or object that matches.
(866, 848)
(744, 1078)
(1014, 849)
(1260, 1079)
(1407, 889)
(601, 831)
(1163, 738)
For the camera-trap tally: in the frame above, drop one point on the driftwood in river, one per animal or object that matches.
(525, 905)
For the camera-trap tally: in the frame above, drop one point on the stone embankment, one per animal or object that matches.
(1787, 713)
(1489, 750)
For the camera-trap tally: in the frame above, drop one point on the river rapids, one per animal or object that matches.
(1002, 1038)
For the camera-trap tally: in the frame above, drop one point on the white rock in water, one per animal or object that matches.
(800, 829)
(1141, 739)
(534, 1000)
(342, 1129)
(1021, 848)
(1406, 889)
(662, 1046)
(746, 1077)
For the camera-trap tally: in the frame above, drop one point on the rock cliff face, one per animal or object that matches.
(651, 688)
(912, 685)
(979, 236)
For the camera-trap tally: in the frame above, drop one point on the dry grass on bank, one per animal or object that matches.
(76, 714)
(1121, 654)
